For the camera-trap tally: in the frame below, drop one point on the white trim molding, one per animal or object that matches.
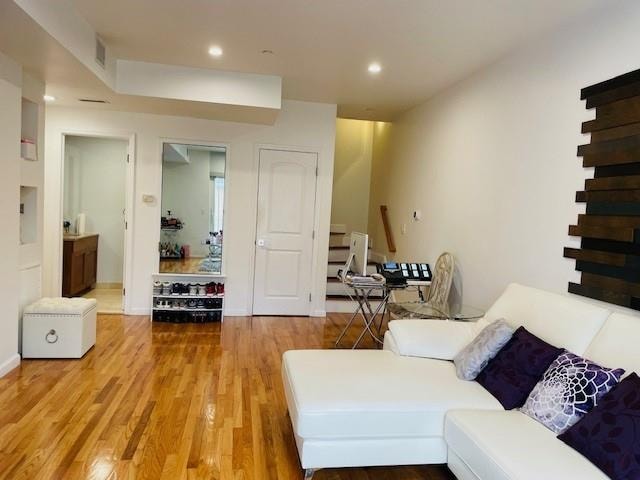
(11, 363)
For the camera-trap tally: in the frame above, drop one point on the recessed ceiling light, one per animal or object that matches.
(374, 67)
(49, 98)
(215, 51)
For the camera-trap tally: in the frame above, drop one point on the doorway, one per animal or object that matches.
(284, 232)
(95, 219)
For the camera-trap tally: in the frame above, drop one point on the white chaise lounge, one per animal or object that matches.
(404, 404)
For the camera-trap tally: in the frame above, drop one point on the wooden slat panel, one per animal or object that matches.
(617, 170)
(627, 112)
(617, 132)
(615, 208)
(608, 221)
(630, 182)
(631, 250)
(611, 196)
(614, 83)
(622, 273)
(617, 157)
(621, 93)
(619, 234)
(611, 284)
(602, 295)
(610, 255)
(626, 105)
(595, 256)
(622, 144)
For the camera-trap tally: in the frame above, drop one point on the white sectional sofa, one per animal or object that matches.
(405, 405)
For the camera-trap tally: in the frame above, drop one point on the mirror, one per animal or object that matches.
(191, 225)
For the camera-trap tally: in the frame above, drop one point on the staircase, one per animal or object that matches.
(337, 294)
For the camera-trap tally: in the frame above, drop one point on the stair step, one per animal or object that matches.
(341, 290)
(338, 298)
(342, 247)
(338, 227)
(342, 263)
(332, 269)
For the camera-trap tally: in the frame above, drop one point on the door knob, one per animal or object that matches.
(261, 242)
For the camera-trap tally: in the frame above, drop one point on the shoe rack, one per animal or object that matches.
(187, 298)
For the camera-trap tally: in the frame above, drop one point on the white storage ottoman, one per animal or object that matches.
(59, 328)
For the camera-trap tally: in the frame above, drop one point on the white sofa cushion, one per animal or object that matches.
(441, 339)
(559, 320)
(373, 394)
(500, 445)
(616, 345)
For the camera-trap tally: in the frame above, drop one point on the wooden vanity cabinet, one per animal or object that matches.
(80, 264)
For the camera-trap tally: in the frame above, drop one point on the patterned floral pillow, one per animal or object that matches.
(475, 356)
(609, 435)
(570, 387)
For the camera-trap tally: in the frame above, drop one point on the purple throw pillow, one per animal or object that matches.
(514, 371)
(609, 435)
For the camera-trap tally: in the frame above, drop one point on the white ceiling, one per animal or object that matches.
(322, 47)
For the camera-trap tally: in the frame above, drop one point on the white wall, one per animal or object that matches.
(303, 125)
(10, 95)
(95, 175)
(352, 174)
(492, 164)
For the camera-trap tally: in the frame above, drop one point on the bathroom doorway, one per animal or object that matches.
(95, 220)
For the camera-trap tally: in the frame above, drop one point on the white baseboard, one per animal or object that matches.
(236, 312)
(9, 364)
(138, 311)
(318, 313)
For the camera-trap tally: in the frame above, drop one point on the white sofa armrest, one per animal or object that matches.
(442, 339)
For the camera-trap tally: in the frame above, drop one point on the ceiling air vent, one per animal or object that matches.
(92, 100)
(101, 53)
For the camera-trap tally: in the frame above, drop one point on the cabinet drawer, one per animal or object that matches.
(85, 244)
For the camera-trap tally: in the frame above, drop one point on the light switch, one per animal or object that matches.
(403, 229)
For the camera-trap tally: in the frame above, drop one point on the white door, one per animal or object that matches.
(284, 234)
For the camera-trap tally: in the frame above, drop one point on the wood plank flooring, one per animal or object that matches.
(162, 401)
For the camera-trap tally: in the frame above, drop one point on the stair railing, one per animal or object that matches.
(391, 244)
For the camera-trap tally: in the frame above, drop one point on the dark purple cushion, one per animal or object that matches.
(609, 435)
(514, 371)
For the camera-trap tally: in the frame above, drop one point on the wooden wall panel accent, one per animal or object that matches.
(630, 182)
(609, 253)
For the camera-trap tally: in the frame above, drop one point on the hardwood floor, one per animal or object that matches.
(162, 401)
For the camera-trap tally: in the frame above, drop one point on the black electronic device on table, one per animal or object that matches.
(420, 272)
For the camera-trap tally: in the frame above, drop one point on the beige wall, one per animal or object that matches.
(351, 174)
(492, 164)
(381, 167)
